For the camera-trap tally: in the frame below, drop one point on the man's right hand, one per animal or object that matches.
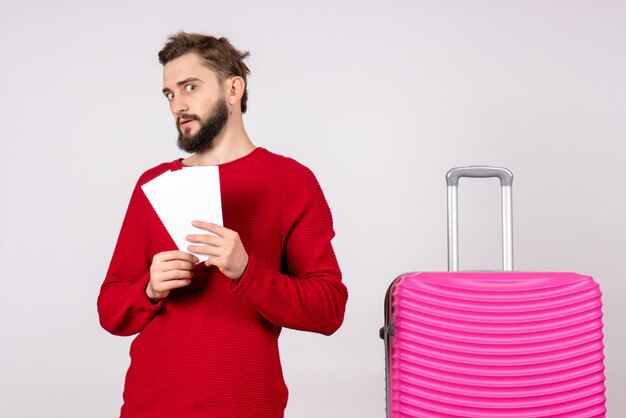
(169, 270)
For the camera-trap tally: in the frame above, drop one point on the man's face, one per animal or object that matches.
(196, 101)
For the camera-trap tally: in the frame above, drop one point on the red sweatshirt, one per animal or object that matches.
(211, 349)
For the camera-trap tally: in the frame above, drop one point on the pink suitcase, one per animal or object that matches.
(493, 344)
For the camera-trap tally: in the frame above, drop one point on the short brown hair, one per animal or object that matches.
(218, 53)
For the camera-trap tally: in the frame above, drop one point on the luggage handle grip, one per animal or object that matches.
(454, 175)
(506, 182)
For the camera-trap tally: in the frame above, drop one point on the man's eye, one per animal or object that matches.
(169, 95)
(189, 87)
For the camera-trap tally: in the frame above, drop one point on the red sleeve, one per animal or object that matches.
(310, 296)
(123, 306)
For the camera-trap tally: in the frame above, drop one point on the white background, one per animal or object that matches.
(380, 99)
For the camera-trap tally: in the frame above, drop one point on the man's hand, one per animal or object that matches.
(225, 248)
(169, 270)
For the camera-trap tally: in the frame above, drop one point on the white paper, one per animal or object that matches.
(182, 196)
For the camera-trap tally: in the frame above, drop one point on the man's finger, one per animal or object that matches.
(177, 265)
(211, 227)
(212, 261)
(175, 255)
(167, 276)
(204, 239)
(172, 284)
(205, 249)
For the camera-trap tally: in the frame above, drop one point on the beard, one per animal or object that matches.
(209, 129)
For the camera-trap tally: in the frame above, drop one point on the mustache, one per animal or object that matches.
(187, 116)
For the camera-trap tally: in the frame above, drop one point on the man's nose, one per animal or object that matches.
(179, 106)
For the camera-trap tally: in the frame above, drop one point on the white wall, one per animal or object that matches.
(380, 99)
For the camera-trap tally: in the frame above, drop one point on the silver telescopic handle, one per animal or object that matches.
(506, 181)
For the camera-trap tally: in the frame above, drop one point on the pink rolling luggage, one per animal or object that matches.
(493, 344)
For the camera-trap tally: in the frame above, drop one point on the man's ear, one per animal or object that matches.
(235, 88)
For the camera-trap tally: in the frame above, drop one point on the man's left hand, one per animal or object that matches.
(225, 248)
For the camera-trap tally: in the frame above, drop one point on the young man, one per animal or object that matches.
(208, 332)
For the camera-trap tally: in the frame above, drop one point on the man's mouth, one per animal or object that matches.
(185, 122)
